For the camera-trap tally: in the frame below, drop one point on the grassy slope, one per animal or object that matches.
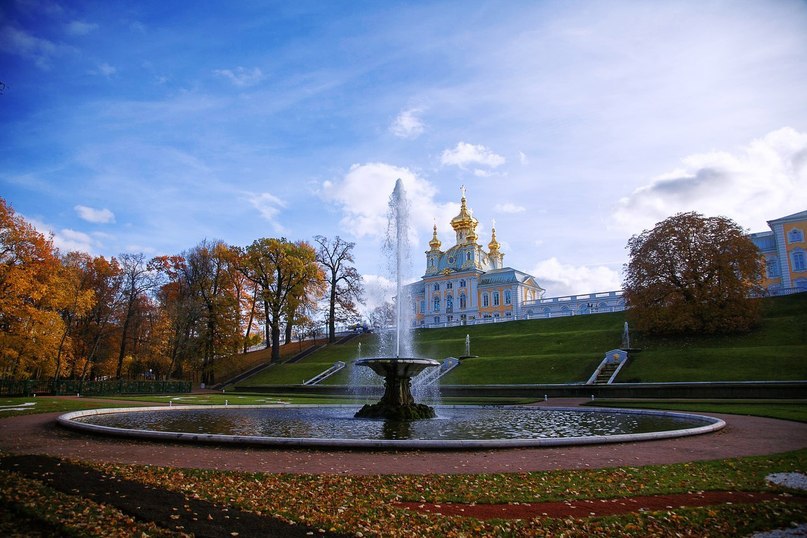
(777, 350)
(567, 350)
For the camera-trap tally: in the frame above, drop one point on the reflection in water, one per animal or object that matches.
(338, 423)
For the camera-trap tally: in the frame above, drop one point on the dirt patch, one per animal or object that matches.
(167, 509)
(596, 507)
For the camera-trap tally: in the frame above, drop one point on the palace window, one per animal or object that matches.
(462, 302)
(436, 287)
(772, 267)
(495, 298)
(436, 303)
(449, 285)
(795, 236)
(462, 283)
(798, 259)
(450, 303)
(485, 300)
(508, 299)
(422, 307)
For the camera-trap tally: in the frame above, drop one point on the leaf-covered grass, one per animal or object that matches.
(38, 506)
(366, 504)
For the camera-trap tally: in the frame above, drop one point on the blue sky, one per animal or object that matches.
(150, 126)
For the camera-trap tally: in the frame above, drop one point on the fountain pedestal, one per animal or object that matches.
(397, 402)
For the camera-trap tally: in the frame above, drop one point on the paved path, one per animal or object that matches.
(742, 436)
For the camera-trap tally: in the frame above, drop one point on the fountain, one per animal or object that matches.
(397, 402)
(463, 427)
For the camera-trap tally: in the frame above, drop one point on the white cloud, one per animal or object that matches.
(106, 70)
(522, 157)
(509, 208)
(269, 206)
(465, 154)
(364, 194)
(407, 124)
(21, 43)
(98, 216)
(67, 240)
(241, 76)
(561, 279)
(80, 27)
(755, 184)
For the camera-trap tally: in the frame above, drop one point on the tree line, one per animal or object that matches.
(75, 315)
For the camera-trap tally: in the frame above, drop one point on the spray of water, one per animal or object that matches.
(396, 248)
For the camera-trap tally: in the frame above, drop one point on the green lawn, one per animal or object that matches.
(568, 349)
(785, 410)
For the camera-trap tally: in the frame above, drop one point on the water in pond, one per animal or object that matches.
(452, 423)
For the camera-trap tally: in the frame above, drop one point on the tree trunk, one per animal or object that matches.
(332, 315)
(289, 328)
(275, 341)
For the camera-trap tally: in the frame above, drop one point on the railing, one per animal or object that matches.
(338, 365)
(432, 375)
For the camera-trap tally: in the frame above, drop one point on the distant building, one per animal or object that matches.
(466, 282)
(784, 253)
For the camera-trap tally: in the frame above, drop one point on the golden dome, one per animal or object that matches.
(493, 245)
(435, 243)
(465, 223)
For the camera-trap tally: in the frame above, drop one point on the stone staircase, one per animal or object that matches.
(604, 377)
(608, 369)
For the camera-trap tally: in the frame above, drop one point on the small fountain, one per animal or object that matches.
(626, 337)
(397, 402)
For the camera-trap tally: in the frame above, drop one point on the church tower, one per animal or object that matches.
(465, 224)
(466, 283)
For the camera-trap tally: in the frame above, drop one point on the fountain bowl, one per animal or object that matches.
(401, 367)
(397, 402)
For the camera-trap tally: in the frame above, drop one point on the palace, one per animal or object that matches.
(466, 283)
(784, 254)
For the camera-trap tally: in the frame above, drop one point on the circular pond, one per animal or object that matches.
(335, 426)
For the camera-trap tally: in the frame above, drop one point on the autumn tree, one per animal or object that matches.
(280, 268)
(76, 298)
(206, 271)
(31, 327)
(93, 338)
(344, 284)
(692, 274)
(182, 314)
(139, 277)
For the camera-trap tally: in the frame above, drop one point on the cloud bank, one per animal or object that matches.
(751, 185)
